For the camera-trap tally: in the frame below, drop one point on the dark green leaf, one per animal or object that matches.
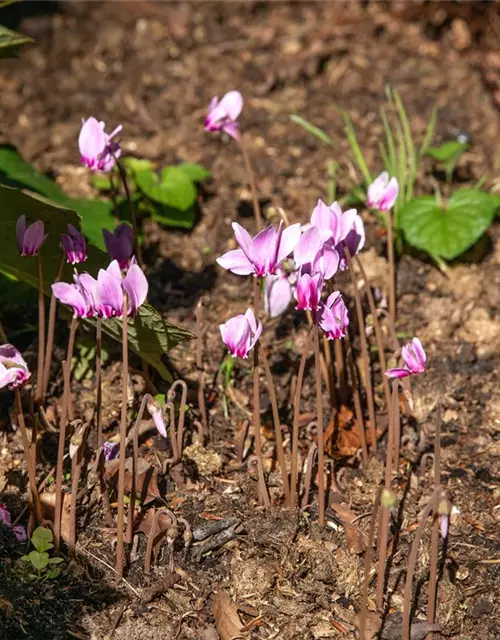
(149, 335)
(174, 189)
(11, 42)
(101, 181)
(448, 231)
(195, 172)
(96, 215)
(312, 129)
(172, 217)
(16, 172)
(447, 152)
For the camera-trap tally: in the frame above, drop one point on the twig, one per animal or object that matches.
(310, 465)
(125, 582)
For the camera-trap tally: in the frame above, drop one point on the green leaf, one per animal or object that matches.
(312, 129)
(38, 560)
(56, 560)
(447, 152)
(16, 172)
(11, 42)
(150, 336)
(195, 172)
(101, 181)
(137, 164)
(356, 149)
(172, 217)
(174, 189)
(446, 232)
(41, 539)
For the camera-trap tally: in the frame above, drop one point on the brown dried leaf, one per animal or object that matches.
(227, 620)
(164, 522)
(356, 538)
(48, 504)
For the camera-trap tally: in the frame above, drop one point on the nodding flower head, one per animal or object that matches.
(222, 115)
(74, 245)
(13, 368)
(111, 286)
(241, 333)
(97, 149)
(333, 317)
(120, 244)
(308, 293)
(263, 254)
(383, 192)
(31, 238)
(414, 358)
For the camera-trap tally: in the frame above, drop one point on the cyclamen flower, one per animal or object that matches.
(241, 333)
(383, 193)
(414, 358)
(262, 254)
(308, 293)
(333, 317)
(74, 245)
(18, 530)
(314, 255)
(31, 238)
(4, 515)
(98, 151)
(111, 450)
(81, 295)
(156, 412)
(13, 368)
(339, 229)
(222, 115)
(278, 292)
(111, 287)
(120, 244)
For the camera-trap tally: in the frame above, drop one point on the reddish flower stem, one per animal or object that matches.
(392, 268)
(123, 444)
(76, 469)
(433, 578)
(292, 503)
(66, 368)
(357, 400)
(50, 331)
(135, 458)
(41, 332)
(253, 186)
(364, 354)
(132, 212)
(29, 458)
(320, 428)
(277, 423)
(199, 365)
(98, 382)
(367, 567)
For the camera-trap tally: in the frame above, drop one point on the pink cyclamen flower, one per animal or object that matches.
(111, 450)
(414, 358)
(120, 244)
(241, 333)
(13, 368)
(4, 515)
(111, 286)
(263, 254)
(31, 238)
(156, 412)
(308, 293)
(313, 255)
(222, 115)
(278, 292)
(81, 295)
(383, 193)
(74, 245)
(97, 150)
(333, 317)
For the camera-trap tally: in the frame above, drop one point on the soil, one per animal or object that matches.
(154, 67)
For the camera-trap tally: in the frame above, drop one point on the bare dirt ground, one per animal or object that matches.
(154, 67)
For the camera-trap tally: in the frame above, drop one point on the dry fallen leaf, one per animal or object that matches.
(356, 538)
(48, 503)
(227, 620)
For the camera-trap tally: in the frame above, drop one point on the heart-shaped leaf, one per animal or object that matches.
(195, 172)
(174, 189)
(150, 336)
(449, 230)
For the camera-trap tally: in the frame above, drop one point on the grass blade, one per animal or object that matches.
(312, 129)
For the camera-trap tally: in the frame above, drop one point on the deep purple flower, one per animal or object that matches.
(222, 115)
(111, 450)
(81, 295)
(13, 368)
(74, 245)
(18, 530)
(120, 244)
(241, 333)
(333, 317)
(308, 293)
(31, 238)
(110, 288)
(97, 150)
(383, 193)
(313, 255)
(278, 292)
(414, 358)
(4, 515)
(262, 254)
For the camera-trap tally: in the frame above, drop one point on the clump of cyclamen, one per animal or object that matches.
(414, 359)
(13, 369)
(104, 297)
(222, 115)
(98, 150)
